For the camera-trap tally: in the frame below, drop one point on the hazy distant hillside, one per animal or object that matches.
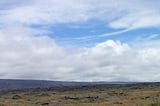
(11, 84)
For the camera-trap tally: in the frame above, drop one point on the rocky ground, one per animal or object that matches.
(144, 94)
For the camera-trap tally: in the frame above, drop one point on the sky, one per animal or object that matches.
(80, 40)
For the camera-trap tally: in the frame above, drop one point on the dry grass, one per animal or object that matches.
(95, 97)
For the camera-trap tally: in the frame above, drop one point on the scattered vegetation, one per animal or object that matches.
(96, 95)
(155, 104)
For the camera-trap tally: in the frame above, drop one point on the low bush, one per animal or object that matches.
(155, 104)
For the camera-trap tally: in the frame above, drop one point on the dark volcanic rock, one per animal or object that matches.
(16, 97)
(45, 104)
(71, 97)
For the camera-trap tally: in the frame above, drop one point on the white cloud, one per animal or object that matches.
(118, 14)
(24, 55)
(26, 52)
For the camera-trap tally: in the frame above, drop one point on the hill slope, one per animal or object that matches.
(12, 84)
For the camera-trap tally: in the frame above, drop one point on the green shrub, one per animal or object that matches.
(2, 105)
(16, 97)
(155, 104)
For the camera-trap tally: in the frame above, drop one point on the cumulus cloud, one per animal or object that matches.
(27, 52)
(26, 56)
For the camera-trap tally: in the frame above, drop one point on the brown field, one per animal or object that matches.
(97, 95)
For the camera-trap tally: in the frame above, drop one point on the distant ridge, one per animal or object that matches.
(16, 83)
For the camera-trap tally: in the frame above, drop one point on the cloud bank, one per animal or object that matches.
(26, 56)
(27, 52)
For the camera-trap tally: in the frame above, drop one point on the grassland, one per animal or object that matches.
(95, 95)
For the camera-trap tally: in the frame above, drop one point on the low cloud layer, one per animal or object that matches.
(24, 55)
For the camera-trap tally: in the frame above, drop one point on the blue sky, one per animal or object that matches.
(92, 34)
(80, 40)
